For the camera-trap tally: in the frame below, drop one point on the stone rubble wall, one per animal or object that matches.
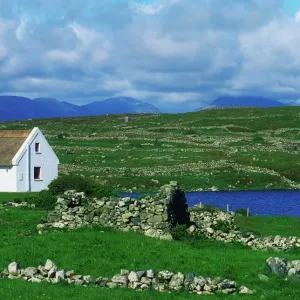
(207, 222)
(153, 215)
(284, 268)
(162, 281)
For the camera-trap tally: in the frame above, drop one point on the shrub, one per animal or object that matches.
(190, 132)
(17, 200)
(258, 139)
(242, 211)
(222, 226)
(179, 232)
(208, 208)
(80, 184)
(44, 200)
(62, 136)
(70, 182)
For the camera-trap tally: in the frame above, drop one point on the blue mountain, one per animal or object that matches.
(243, 101)
(22, 108)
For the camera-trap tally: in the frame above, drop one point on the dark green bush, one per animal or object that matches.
(80, 184)
(208, 208)
(242, 211)
(190, 132)
(222, 226)
(62, 136)
(180, 232)
(44, 200)
(17, 200)
(258, 139)
(70, 182)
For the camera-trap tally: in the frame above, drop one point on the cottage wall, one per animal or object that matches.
(46, 159)
(8, 179)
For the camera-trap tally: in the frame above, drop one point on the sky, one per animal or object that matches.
(176, 54)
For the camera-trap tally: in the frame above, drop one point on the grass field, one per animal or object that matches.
(231, 149)
(99, 251)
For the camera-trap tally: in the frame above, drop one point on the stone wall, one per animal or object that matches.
(220, 225)
(153, 215)
(284, 268)
(162, 281)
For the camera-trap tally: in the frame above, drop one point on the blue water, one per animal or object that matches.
(263, 203)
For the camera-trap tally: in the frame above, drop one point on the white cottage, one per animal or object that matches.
(27, 161)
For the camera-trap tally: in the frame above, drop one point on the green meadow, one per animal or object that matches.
(102, 251)
(229, 149)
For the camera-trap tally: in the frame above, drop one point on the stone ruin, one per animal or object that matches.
(152, 215)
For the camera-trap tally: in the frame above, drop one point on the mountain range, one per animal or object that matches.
(22, 108)
(243, 101)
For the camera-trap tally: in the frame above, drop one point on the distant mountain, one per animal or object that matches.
(119, 105)
(242, 101)
(22, 108)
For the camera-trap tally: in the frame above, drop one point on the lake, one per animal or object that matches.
(263, 203)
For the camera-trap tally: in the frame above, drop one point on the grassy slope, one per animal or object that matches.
(100, 251)
(244, 148)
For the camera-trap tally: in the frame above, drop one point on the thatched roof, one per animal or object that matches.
(10, 142)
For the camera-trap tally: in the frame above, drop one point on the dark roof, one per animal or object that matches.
(10, 142)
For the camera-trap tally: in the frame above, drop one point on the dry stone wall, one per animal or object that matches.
(153, 215)
(220, 225)
(283, 268)
(162, 281)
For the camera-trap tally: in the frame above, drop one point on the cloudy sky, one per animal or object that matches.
(176, 54)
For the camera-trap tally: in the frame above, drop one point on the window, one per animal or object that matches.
(20, 176)
(37, 173)
(37, 148)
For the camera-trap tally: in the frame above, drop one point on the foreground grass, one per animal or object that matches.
(99, 251)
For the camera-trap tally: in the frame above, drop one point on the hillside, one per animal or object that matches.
(224, 149)
(243, 101)
(22, 108)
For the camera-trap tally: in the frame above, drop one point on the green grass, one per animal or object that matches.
(99, 251)
(14, 196)
(255, 144)
(265, 226)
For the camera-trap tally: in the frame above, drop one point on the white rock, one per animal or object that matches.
(133, 277)
(13, 268)
(49, 265)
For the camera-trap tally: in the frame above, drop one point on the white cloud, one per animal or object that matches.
(20, 31)
(297, 16)
(63, 56)
(167, 52)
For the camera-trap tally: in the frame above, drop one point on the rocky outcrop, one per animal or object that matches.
(162, 281)
(284, 268)
(219, 225)
(153, 215)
